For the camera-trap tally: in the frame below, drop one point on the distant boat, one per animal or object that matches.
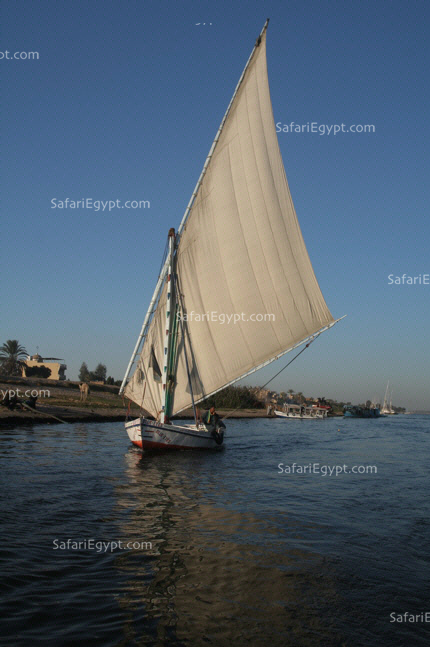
(298, 412)
(387, 407)
(238, 249)
(361, 412)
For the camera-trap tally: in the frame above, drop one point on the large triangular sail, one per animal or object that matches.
(241, 257)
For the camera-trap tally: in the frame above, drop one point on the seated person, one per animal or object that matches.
(210, 418)
(10, 401)
(214, 424)
(31, 402)
(6, 400)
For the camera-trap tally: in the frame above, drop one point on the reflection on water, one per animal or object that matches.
(212, 576)
(240, 554)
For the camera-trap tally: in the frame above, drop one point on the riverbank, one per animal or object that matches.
(60, 401)
(57, 415)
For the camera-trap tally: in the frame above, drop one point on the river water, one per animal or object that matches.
(227, 548)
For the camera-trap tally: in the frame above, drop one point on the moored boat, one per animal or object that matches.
(361, 412)
(298, 412)
(387, 407)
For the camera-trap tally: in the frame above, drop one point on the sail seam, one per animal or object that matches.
(285, 314)
(283, 219)
(247, 250)
(207, 327)
(258, 234)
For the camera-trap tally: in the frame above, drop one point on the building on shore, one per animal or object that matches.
(37, 366)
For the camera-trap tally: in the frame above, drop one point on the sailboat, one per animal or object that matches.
(238, 249)
(387, 408)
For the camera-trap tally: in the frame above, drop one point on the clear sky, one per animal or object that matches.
(123, 104)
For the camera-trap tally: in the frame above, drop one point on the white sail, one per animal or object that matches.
(241, 253)
(145, 386)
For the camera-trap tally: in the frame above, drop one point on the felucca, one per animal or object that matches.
(238, 249)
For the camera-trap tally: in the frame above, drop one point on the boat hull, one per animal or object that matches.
(292, 416)
(362, 413)
(149, 434)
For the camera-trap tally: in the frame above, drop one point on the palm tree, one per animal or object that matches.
(11, 356)
(300, 397)
(291, 391)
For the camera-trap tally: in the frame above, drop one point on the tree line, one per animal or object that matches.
(98, 375)
(232, 397)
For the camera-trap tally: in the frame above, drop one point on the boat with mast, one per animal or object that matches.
(239, 249)
(387, 407)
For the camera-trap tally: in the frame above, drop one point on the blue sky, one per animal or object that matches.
(123, 104)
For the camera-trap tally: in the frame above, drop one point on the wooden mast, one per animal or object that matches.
(170, 308)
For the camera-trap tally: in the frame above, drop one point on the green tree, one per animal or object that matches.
(84, 374)
(233, 397)
(11, 356)
(100, 372)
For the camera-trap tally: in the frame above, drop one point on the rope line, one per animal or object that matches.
(279, 372)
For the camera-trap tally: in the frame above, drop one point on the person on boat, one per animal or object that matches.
(10, 401)
(6, 400)
(210, 418)
(31, 402)
(214, 425)
(13, 403)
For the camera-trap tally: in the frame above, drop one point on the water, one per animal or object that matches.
(241, 554)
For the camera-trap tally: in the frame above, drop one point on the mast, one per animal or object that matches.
(170, 307)
(163, 272)
(385, 406)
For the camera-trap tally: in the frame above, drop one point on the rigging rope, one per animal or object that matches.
(279, 372)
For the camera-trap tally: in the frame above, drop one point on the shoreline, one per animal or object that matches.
(9, 419)
(103, 404)
(61, 400)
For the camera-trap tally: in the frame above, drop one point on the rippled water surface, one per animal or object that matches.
(236, 552)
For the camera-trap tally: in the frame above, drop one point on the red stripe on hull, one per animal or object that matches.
(150, 445)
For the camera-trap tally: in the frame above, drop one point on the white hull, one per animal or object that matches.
(149, 434)
(298, 416)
